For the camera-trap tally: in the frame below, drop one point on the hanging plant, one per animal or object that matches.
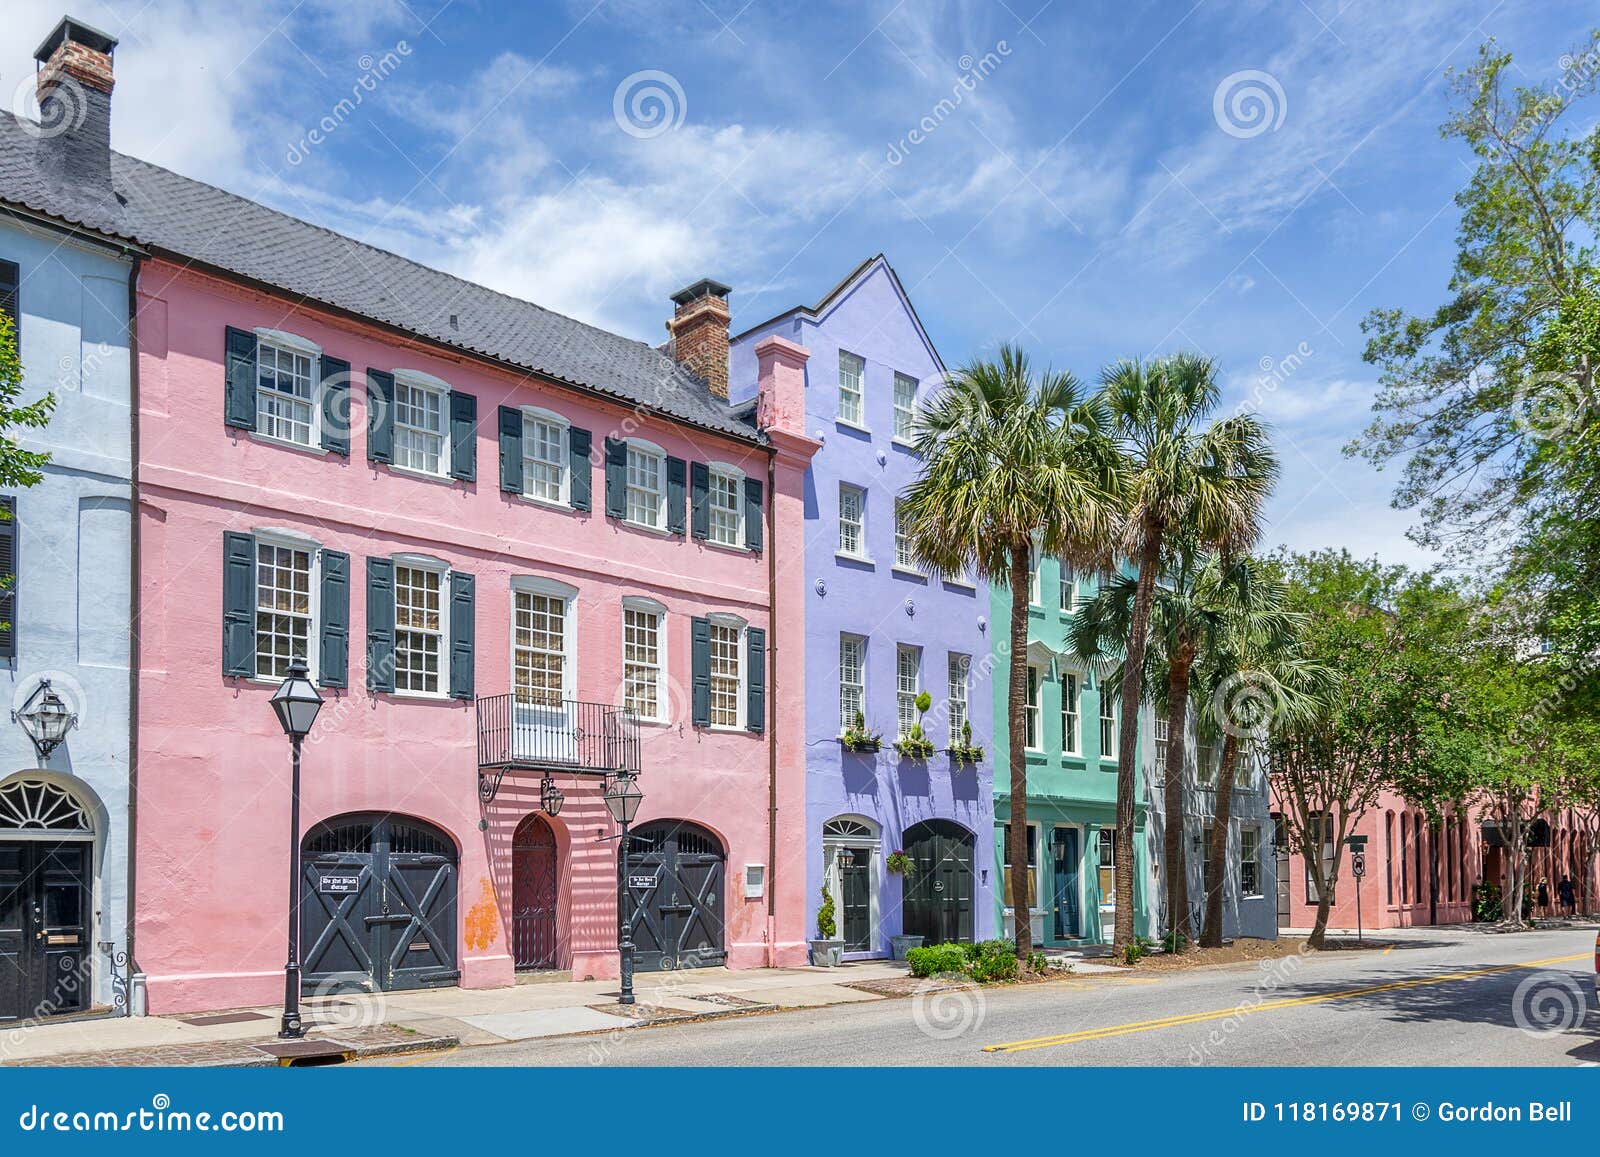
(857, 738)
(966, 753)
(899, 864)
(916, 745)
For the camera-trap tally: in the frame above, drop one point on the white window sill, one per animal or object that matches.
(643, 722)
(268, 681)
(904, 443)
(846, 556)
(661, 530)
(728, 728)
(849, 425)
(422, 475)
(908, 571)
(547, 503)
(432, 696)
(962, 583)
(284, 443)
(732, 547)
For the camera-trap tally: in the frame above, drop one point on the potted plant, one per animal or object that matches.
(916, 745)
(900, 945)
(826, 950)
(900, 864)
(857, 738)
(966, 753)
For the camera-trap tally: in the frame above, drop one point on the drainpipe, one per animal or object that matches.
(772, 707)
(134, 651)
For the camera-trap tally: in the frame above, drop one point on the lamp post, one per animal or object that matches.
(46, 718)
(622, 801)
(296, 702)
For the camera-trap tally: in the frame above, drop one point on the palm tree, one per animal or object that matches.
(1011, 463)
(1208, 483)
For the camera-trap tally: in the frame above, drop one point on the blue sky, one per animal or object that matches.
(1115, 179)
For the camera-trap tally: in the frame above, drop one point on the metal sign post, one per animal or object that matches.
(1358, 869)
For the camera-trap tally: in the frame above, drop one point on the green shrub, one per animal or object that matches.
(826, 926)
(1174, 942)
(989, 968)
(937, 959)
(1037, 962)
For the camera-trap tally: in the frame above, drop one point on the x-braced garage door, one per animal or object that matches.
(675, 875)
(378, 904)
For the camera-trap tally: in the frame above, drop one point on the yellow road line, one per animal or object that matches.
(1246, 1009)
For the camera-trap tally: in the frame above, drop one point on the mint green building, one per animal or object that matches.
(1072, 774)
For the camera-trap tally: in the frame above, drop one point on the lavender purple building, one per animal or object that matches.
(878, 632)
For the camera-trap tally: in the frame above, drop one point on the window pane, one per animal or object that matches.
(544, 460)
(902, 542)
(418, 630)
(644, 487)
(905, 398)
(283, 608)
(852, 679)
(1031, 715)
(959, 667)
(908, 682)
(418, 427)
(850, 520)
(1069, 713)
(641, 662)
(284, 393)
(725, 676)
(538, 644)
(850, 372)
(726, 512)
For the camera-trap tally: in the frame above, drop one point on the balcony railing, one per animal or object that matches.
(569, 735)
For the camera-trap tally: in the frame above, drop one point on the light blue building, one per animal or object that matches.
(65, 653)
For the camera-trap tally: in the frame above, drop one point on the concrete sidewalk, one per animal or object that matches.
(443, 1017)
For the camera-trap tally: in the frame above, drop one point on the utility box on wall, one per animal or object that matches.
(755, 881)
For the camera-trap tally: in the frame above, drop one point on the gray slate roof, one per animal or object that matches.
(160, 210)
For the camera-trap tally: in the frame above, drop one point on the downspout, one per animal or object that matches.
(772, 707)
(134, 650)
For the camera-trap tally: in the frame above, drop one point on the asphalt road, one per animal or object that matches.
(1444, 997)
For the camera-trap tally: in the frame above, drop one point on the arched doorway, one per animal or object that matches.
(937, 901)
(378, 904)
(675, 884)
(850, 851)
(534, 894)
(46, 899)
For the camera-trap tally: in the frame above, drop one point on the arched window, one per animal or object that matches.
(845, 828)
(32, 804)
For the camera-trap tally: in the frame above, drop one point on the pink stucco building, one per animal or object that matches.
(487, 528)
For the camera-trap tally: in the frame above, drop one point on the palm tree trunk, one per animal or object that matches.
(1128, 735)
(1016, 725)
(1217, 853)
(1174, 847)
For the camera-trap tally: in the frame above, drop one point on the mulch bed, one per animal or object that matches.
(915, 985)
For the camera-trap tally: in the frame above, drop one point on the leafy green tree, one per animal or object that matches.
(1181, 479)
(1012, 461)
(18, 467)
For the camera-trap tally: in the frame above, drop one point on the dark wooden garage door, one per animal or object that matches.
(378, 905)
(937, 902)
(675, 883)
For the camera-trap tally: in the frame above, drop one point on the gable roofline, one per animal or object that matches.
(833, 296)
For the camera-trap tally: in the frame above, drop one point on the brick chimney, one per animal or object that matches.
(74, 87)
(699, 332)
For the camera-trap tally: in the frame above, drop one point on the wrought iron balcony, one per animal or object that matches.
(566, 735)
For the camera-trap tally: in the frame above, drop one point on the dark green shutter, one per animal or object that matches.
(755, 714)
(336, 407)
(700, 656)
(463, 436)
(463, 631)
(380, 416)
(700, 500)
(239, 393)
(677, 493)
(754, 515)
(380, 624)
(579, 445)
(616, 478)
(8, 577)
(510, 450)
(238, 604)
(333, 657)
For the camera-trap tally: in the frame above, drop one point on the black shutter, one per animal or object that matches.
(239, 392)
(380, 624)
(380, 416)
(510, 450)
(463, 436)
(463, 631)
(336, 407)
(700, 500)
(10, 301)
(677, 480)
(579, 445)
(8, 575)
(700, 654)
(753, 513)
(755, 714)
(616, 478)
(333, 658)
(238, 604)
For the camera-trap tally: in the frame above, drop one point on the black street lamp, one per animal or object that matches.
(46, 718)
(623, 798)
(296, 702)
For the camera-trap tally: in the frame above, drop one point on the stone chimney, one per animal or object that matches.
(781, 386)
(699, 332)
(74, 86)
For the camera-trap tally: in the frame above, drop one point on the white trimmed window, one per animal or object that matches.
(1070, 719)
(851, 370)
(541, 647)
(1250, 861)
(959, 671)
(1032, 730)
(727, 673)
(286, 390)
(852, 679)
(1108, 724)
(852, 520)
(907, 686)
(285, 611)
(646, 484)
(903, 556)
(1205, 766)
(905, 406)
(1163, 736)
(727, 511)
(643, 660)
(419, 422)
(1069, 585)
(418, 628)
(544, 457)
